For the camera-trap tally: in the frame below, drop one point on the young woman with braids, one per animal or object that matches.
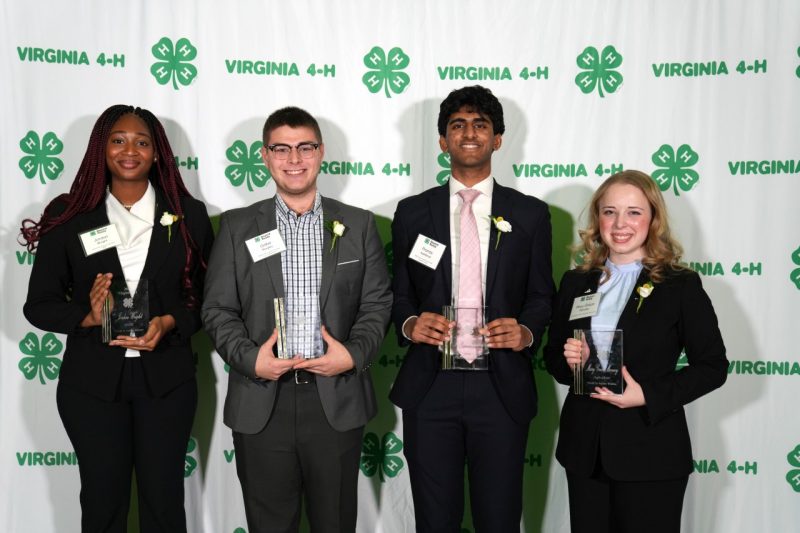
(628, 456)
(128, 404)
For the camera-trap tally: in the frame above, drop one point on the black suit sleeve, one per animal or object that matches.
(405, 302)
(559, 332)
(705, 352)
(536, 311)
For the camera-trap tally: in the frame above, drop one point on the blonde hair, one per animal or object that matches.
(662, 251)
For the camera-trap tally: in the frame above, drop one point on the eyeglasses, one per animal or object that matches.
(282, 151)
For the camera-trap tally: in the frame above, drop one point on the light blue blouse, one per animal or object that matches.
(615, 293)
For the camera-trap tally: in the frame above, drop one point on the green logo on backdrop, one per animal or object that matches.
(793, 476)
(174, 62)
(246, 164)
(683, 361)
(189, 462)
(381, 457)
(385, 71)
(675, 168)
(795, 275)
(41, 158)
(798, 68)
(599, 70)
(240, 530)
(42, 357)
(444, 162)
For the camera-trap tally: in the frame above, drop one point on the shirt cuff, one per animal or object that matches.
(403, 327)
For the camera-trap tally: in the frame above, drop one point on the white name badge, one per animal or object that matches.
(99, 239)
(427, 251)
(584, 306)
(265, 245)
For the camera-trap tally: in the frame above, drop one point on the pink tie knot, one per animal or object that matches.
(468, 195)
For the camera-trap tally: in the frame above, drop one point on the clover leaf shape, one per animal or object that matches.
(175, 62)
(380, 456)
(41, 159)
(189, 462)
(793, 476)
(386, 71)
(247, 164)
(42, 360)
(675, 168)
(795, 275)
(599, 70)
(444, 162)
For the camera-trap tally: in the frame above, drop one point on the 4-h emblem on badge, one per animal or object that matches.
(444, 162)
(675, 168)
(174, 62)
(41, 158)
(247, 164)
(599, 70)
(42, 358)
(385, 71)
(380, 457)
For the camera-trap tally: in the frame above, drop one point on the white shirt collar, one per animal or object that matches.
(485, 186)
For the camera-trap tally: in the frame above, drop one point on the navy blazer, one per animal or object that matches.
(519, 285)
(58, 299)
(649, 442)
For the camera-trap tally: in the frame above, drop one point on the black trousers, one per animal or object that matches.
(602, 505)
(462, 420)
(135, 431)
(299, 453)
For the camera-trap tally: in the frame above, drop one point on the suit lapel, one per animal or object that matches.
(629, 315)
(330, 212)
(501, 206)
(439, 204)
(271, 266)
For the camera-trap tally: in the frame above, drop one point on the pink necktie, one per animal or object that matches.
(470, 292)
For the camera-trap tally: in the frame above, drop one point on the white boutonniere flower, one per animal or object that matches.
(167, 219)
(502, 226)
(337, 229)
(643, 291)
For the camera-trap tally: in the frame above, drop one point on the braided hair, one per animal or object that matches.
(89, 187)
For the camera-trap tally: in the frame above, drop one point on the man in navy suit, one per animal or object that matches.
(480, 418)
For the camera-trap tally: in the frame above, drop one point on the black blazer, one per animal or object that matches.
(649, 442)
(58, 299)
(519, 284)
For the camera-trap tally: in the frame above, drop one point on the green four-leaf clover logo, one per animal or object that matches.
(793, 476)
(795, 275)
(247, 164)
(41, 159)
(444, 163)
(174, 62)
(42, 357)
(380, 456)
(683, 361)
(798, 68)
(189, 462)
(599, 70)
(385, 71)
(675, 168)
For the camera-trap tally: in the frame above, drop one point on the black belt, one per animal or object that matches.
(298, 377)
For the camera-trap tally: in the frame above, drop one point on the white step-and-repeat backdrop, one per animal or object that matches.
(704, 95)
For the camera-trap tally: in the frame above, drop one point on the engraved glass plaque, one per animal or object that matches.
(601, 361)
(466, 349)
(124, 314)
(303, 323)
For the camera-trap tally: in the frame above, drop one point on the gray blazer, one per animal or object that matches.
(355, 302)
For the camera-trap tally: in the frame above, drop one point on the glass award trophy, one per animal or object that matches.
(601, 361)
(302, 325)
(466, 349)
(280, 325)
(124, 314)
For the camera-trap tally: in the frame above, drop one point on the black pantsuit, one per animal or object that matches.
(123, 412)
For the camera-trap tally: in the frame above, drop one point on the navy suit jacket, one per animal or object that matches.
(58, 299)
(649, 442)
(519, 285)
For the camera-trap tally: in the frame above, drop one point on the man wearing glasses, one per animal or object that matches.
(297, 421)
